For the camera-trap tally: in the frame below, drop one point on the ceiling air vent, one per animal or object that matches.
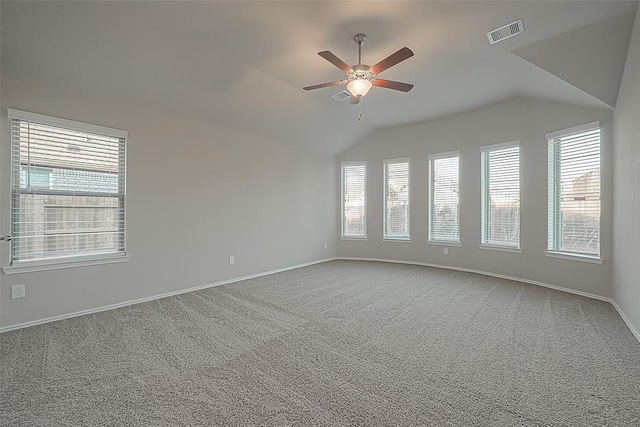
(341, 96)
(502, 33)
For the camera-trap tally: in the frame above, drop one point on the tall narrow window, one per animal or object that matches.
(574, 191)
(354, 208)
(444, 212)
(68, 190)
(500, 195)
(396, 199)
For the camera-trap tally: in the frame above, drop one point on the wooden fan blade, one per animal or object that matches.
(321, 85)
(354, 100)
(391, 60)
(336, 61)
(390, 84)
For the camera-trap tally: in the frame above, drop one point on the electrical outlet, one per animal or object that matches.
(232, 260)
(325, 245)
(445, 251)
(17, 291)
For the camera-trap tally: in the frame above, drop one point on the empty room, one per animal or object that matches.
(319, 213)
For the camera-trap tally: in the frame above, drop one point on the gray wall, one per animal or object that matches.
(196, 193)
(626, 201)
(519, 119)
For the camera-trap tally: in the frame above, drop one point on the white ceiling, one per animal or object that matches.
(243, 64)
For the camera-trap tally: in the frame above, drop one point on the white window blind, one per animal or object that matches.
(68, 189)
(354, 208)
(574, 191)
(396, 199)
(500, 195)
(444, 213)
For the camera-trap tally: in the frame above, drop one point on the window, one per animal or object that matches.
(500, 195)
(68, 190)
(574, 191)
(444, 213)
(396, 199)
(354, 208)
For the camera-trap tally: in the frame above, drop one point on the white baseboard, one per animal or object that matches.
(154, 297)
(633, 330)
(485, 273)
(626, 320)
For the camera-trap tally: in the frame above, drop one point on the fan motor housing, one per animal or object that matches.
(360, 71)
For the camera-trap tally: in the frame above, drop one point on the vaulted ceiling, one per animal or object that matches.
(243, 64)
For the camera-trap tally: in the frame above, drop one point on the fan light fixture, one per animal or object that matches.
(359, 87)
(361, 77)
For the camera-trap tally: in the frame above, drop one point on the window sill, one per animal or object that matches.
(444, 243)
(397, 239)
(574, 257)
(353, 238)
(502, 248)
(57, 265)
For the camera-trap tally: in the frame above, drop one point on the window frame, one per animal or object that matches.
(395, 237)
(554, 232)
(24, 266)
(430, 169)
(342, 194)
(484, 202)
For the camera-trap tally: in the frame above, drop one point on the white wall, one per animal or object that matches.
(519, 119)
(626, 200)
(196, 193)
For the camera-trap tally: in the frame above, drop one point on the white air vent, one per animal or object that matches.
(502, 33)
(341, 96)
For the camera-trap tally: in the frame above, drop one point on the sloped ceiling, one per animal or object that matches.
(243, 64)
(590, 58)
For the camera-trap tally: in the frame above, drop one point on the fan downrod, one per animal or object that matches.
(359, 38)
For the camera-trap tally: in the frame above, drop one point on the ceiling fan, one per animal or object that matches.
(361, 77)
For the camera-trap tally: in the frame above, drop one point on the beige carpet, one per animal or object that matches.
(334, 344)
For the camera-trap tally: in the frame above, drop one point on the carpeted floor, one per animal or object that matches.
(334, 344)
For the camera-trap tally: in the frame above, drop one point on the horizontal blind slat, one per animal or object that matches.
(396, 201)
(68, 192)
(574, 193)
(500, 196)
(444, 214)
(353, 200)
